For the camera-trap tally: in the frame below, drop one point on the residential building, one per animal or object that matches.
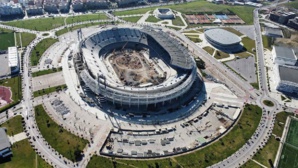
(281, 17)
(284, 56)
(293, 23)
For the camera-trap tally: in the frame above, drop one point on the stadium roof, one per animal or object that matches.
(4, 142)
(285, 52)
(13, 57)
(288, 73)
(222, 36)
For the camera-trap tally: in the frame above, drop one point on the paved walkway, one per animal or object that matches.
(17, 138)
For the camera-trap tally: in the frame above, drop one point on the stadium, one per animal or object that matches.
(223, 40)
(137, 67)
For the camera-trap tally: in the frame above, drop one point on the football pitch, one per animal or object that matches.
(289, 154)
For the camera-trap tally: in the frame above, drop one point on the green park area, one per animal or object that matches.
(221, 55)
(67, 144)
(49, 90)
(209, 50)
(289, 154)
(39, 49)
(233, 31)
(280, 122)
(9, 41)
(83, 18)
(293, 4)
(47, 71)
(23, 154)
(133, 19)
(14, 125)
(194, 38)
(244, 12)
(204, 157)
(249, 44)
(15, 85)
(45, 24)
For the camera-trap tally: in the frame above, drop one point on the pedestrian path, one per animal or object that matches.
(17, 137)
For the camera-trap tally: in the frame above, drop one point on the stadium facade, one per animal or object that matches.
(223, 40)
(138, 66)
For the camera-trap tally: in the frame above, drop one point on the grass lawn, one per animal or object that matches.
(191, 31)
(178, 21)
(280, 123)
(288, 157)
(133, 19)
(88, 17)
(26, 39)
(15, 85)
(209, 50)
(7, 40)
(60, 139)
(209, 155)
(243, 54)
(268, 103)
(152, 19)
(292, 136)
(24, 157)
(175, 28)
(244, 12)
(267, 42)
(221, 55)
(40, 24)
(48, 90)
(251, 164)
(233, 31)
(13, 126)
(255, 85)
(249, 44)
(47, 71)
(194, 38)
(65, 30)
(293, 4)
(39, 49)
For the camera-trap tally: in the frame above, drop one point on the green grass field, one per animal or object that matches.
(7, 40)
(288, 157)
(292, 136)
(88, 17)
(221, 55)
(60, 139)
(152, 19)
(178, 21)
(249, 44)
(24, 157)
(255, 85)
(280, 123)
(39, 49)
(268, 103)
(243, 12)
(26, 39)
(13, 126)
(45, 72)
(48, 90)
(194, 38)
(15, 85)
(133, 19)
(251, 164)
(209, 50)
(293, 4)
(204, 157)
(233, 31)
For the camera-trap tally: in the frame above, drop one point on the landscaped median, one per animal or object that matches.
(49, 90)
(47, 71)
(67, 144)
(39, 49)
(207, 156)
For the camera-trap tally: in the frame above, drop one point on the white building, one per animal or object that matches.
(13, 59)
(284, 56)
(5, 149)
(164, 13)
(286, 78)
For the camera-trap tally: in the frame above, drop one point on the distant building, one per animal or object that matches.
(284, 56)
(293, 23)
(281, 17)
(286, 78)
(51, 6)
(97, 4)
(63, 6)
(78, 5)
(124, 3)
(10, 8)
(5, 146)
(33, 7)
(164, 13)
(273, 32)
